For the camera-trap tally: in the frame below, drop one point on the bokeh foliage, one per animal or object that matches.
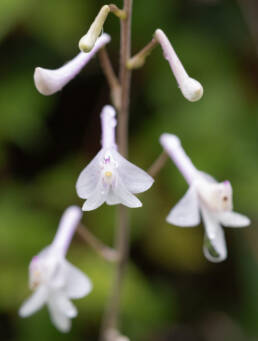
(171, 289)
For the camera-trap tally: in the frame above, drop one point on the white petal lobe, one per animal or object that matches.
(186, 212)
(34, 302)
(219, 246)
(59, 319)
(78, 284)
(233, 219)
(89, 178)
(126, 197)
(134, 178)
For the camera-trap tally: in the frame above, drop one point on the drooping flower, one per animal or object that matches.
(56, 281)
(109, 177)
(205, 198)
(49, 82)
(190, 88)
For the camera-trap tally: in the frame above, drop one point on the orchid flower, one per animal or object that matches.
(190, 88)
(109, 177)
(54, 279)
(205, 197)
(49, 82)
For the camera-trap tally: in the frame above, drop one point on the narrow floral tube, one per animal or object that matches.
(190, 88)
(108, 125)
(49, 82)
(67, 226)
(173, 147)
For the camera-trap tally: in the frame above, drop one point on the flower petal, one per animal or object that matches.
(134, 178)
(215, 249)
(89, 177)
(97, 198)
(112, 199)
(63, 304)
(34, 302)
(233, 219)
(124, 196)
(78, 284)
(186, 212)
(58, 318)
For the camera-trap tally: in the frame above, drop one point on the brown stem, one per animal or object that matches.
(158, 164)
(138, 59)
(106, 252)
(111, 319)
(113, 82)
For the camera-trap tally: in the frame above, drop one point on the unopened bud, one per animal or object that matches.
(88, 41)
(190, 88)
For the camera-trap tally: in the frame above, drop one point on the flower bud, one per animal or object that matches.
(88, 41)
(190, 88)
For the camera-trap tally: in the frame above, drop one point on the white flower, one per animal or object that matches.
(205, 198)
(49, 82)
(54, 279)
(190, 88)
(109, 177)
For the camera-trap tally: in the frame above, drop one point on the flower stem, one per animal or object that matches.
(113, 82)
(138, 60)
(111, 317)
(158, 164)
(106, 252)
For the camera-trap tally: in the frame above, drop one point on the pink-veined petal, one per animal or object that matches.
(186, 212)
(89, 178)
(233, 219)
(34, 302)
(77, 283)
(124, 196)
(134, 178)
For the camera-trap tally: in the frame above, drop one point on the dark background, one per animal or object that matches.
(172, 292)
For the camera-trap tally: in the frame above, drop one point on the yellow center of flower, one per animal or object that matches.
(108, 174)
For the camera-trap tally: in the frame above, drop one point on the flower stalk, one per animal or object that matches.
(111, 317)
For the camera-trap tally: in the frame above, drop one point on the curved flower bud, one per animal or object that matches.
(190, 88)
(109, 177)
(205, 197)
(49, 82)
(88, 41)
(54, 280)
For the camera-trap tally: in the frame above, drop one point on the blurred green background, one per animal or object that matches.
(171, 291)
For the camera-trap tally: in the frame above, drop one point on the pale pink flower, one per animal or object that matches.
(205, 198)
(109, 177)
(54, 280)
